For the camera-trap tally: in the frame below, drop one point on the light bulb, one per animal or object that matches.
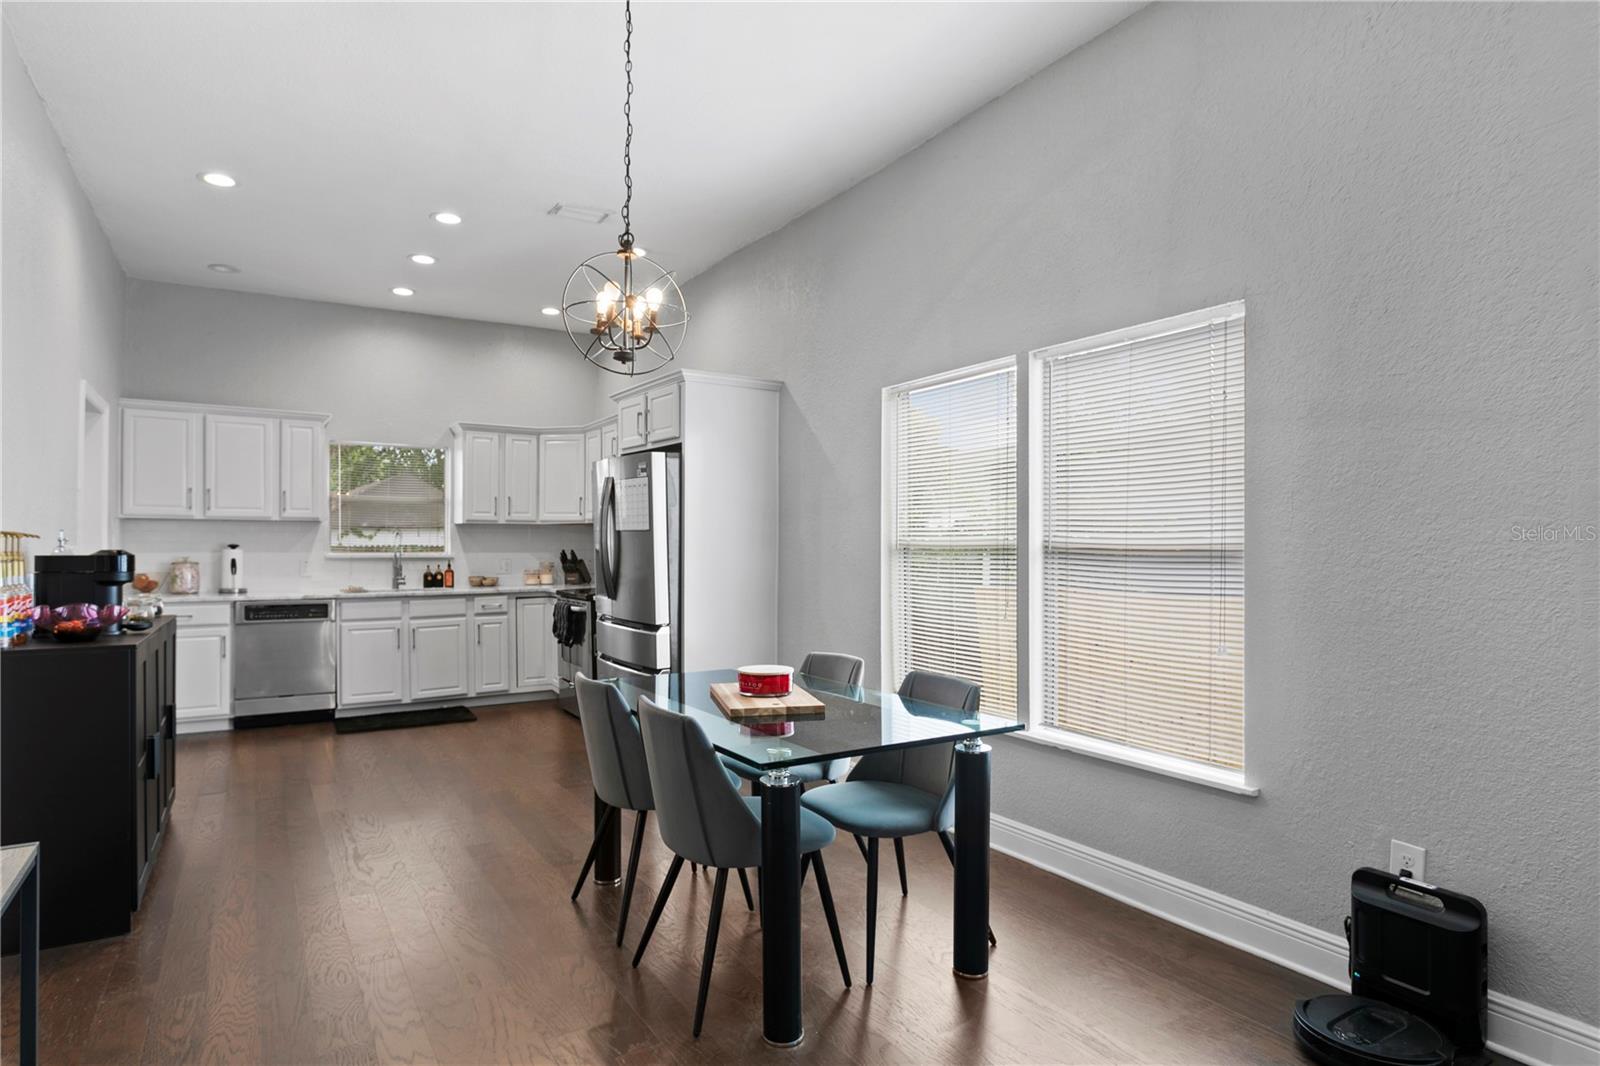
(652, 297)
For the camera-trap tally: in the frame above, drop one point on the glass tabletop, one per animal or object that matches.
(854, 720)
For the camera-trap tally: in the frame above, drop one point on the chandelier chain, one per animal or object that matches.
(626, 237)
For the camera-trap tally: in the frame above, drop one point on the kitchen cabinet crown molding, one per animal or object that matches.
(692, 377)
(224, 409)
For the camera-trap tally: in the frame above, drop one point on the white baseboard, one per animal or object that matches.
(1517, 1028)
(187, 726)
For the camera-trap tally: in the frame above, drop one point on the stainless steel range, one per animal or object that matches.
(574, 643)
(285, 659)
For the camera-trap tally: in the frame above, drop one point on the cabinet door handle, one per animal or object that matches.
(208, 497)
(413, 640)
(224, 647)
(152, 756)
(283, 500)
(397, 638)
(508, 505)
(188, 498)
(638, 422)
(497, 507)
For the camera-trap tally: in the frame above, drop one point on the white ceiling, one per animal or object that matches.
(346, 125)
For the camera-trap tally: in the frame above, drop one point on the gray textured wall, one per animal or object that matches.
(384, 375)
(60, 313)
(1405, 195)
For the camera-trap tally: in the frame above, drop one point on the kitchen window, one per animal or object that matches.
(385, 498)
(1137, 613)
(951, 519)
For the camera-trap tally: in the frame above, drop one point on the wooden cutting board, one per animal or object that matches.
(797, 704)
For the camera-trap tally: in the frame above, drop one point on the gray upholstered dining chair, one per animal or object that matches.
(621, 777)
(703, 819)
(901, 793)
(830, 666)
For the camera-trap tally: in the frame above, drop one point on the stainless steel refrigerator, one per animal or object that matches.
(638, 530)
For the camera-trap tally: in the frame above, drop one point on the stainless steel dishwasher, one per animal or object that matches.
(285, 660)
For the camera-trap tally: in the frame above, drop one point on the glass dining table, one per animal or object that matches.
(854, 721)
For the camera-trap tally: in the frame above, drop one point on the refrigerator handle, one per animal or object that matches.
(608, 537)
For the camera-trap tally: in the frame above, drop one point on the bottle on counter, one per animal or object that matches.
(449, 574)
(427, 576)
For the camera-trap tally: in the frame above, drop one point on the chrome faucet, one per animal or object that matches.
(398, 578)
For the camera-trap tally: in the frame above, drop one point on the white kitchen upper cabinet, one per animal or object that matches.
(608, 441)
(438, 658)
(521, 477)
(241, 466)
(663, 418)
(372, 663)
(561, 477)
(302, 469)
(203, 678)
(631, 434)
(536, 645)
(478, 487)
(160, 463)
(593, 451)
(491, 654)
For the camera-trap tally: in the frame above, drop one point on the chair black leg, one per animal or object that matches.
(639, 819)
(872, 905)
(744, 883)
(714, 922)
(900, 861)
(862, 844)
(594, 849)
(661, 905)
(828, 911)
(950, 850)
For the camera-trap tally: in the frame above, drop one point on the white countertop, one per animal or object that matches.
(253, 595)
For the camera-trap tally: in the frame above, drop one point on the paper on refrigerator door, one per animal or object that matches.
(633, 505)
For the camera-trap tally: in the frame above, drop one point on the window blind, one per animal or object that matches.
(953, 571)
(1141, 640)
(386, 498)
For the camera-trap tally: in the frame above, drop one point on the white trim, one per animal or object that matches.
(1142, 332)
(1519, 1029)
(960, 373)
(229, 409)
(1139, 759)
(90, 400)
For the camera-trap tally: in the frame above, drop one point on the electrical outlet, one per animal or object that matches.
(305, 567)
(1408, 859)
(505, 566)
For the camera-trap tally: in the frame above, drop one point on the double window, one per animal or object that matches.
(1134, 452)
(385, 498)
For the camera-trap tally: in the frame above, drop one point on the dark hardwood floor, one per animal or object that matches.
(402, 897)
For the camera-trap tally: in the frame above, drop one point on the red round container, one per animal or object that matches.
(765, 680)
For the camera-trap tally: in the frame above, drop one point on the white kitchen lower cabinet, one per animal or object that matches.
(491, 654)
(536, 645)
(204, 676)
(372, 663)
(438, 658)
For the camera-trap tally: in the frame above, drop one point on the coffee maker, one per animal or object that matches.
(96, 578)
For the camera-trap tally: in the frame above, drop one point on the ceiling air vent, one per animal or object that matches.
(579, 213)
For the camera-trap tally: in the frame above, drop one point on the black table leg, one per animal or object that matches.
(28, 947)
(608, 859)
(972, 860)
(782, 1024)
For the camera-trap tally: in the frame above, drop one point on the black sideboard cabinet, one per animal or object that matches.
(88, 740)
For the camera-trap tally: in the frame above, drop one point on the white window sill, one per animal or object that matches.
(1165, 765)
(388, 557)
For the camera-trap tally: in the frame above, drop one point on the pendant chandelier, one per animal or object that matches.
(622, 309)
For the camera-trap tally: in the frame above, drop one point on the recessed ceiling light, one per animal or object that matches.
(219, 179)
(423, 260)
(401, 290)
(446, 218)
(549, 310)
(222, 268)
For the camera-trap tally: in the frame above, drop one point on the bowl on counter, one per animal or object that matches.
(77, 622)
(488, 582)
